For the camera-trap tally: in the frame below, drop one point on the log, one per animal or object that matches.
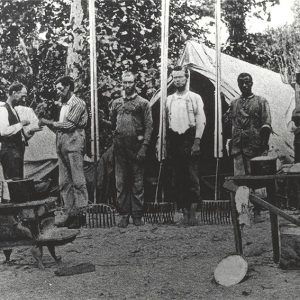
(290, 247)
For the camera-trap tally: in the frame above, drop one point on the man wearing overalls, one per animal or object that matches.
(132, 120)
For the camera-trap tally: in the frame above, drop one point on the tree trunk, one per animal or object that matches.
(74, 59)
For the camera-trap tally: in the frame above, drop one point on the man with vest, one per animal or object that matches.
(132, 120)
(186, 122)
(13, 137)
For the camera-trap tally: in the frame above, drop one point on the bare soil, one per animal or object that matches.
(152, 262)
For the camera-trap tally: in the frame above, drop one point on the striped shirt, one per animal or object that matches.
(73, 115)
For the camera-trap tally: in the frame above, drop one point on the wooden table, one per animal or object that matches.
(259, 181)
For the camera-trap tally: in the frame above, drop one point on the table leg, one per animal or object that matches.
(53, 254)
(274, 223)
(236, 226)
(37, 253)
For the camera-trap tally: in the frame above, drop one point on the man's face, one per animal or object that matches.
(245, 85)
(128, 84)
(62, 90)
(179, 79)
(19, 97)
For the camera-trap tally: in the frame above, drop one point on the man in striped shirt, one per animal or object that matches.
(70, 146)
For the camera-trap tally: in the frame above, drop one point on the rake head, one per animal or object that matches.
(159, 213)
(100, 215)
(215, 212)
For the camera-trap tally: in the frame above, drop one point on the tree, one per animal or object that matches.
(240, 43)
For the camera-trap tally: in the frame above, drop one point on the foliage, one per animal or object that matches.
(128, 37)
(240, 44)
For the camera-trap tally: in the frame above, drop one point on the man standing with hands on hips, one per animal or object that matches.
(70, 145)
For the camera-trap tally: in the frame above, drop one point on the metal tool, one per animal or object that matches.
(159, 212)
(100, 215)
(215, 212)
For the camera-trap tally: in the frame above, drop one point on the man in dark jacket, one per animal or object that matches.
(250, 119)
(132, 120)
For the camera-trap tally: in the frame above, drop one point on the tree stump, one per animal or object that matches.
(290, 246)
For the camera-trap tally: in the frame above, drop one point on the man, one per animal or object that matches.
(70, 145)
(132, 120)
(186, 123)
(250, 118)
(13, 138)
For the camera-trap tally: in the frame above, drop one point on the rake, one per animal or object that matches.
(100, 215)
(215, 212)
(159, 212)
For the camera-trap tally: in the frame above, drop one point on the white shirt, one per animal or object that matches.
(185, 111)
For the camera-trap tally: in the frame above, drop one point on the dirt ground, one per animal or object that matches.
(152, 262)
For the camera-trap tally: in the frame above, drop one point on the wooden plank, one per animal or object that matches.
(274, 222)
(236, 226)
(262, 177)
(274, 209)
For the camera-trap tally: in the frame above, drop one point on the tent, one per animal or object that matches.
(200, 60)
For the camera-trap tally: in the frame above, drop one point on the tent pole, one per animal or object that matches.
(218, 150)
(165, 4)
(93, 84)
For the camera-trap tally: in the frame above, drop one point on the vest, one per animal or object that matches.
(16, 139)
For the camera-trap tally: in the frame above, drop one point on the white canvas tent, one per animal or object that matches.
(201, 61)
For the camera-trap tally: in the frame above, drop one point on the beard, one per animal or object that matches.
(181, 88)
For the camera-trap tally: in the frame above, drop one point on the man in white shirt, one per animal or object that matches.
(186, 123)
(13, 136)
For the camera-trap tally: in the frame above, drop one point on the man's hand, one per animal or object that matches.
(34, 130)
(196, 147)
(25, 122)
(141, 156)
(46, 122)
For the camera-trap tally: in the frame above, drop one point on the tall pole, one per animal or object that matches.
(94, 98)
(165, 11)
(218, 150)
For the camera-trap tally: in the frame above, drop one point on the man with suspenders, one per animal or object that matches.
(185, 125)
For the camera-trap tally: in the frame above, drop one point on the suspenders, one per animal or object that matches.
(189, 104)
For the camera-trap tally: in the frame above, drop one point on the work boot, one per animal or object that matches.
(7, 254)
(123, 223)
(137, 221)
(186, 216)
(192, 215)
(73, 222)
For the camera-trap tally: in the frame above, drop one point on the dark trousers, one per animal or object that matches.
(129, 176)
(185, 183)
(12, 160)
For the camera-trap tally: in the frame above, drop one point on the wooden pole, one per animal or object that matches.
(163, 77)
(218, 149)
(94, 100)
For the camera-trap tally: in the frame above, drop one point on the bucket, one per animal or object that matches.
(263, 165)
